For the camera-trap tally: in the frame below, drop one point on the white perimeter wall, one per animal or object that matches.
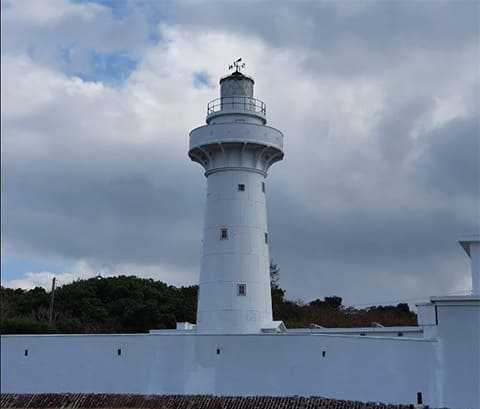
(459, 335)
(357, 368)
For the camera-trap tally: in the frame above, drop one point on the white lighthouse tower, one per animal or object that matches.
(236, 149)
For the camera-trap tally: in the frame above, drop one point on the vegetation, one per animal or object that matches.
(131, 304)
(330, 312)
(100, 305)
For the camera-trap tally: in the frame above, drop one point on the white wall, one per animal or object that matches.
(241, 259)
(359, 368)
(458, 330)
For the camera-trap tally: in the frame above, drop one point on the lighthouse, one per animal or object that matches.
(236, 148)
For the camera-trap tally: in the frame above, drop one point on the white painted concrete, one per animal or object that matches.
(475, 266)
(392, 369)
(240, 259)
(409, 332)
(458, 332)
(236, 150)
(371, 369)
(244, 133)
(471, 245)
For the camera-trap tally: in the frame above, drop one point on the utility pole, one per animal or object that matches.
(50, 310)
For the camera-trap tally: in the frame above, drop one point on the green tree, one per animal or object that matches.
(127, 304)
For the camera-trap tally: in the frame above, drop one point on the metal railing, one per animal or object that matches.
(235, 103)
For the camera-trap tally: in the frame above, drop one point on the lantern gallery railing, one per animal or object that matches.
(237, 103)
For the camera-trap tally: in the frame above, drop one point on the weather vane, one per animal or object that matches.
(237, 65)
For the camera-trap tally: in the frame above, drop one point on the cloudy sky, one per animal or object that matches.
(378, 101)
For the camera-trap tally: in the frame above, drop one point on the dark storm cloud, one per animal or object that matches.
(393, 230)
(397, 237)
(382, 30)
(396, 124)
(126, 219)
(340, 251)
(364, 235)
(449, 162)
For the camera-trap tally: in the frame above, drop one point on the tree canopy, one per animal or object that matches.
(129, 304)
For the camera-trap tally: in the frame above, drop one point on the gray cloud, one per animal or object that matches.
(381, 241)
(396, 125)
(126, 219)
(449, 163)
(355, 37)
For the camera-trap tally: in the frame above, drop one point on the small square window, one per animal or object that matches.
(419, 398)
(400, 334)
(241, 289)
(266, 238)
(241, 188)
(263, 187)
(224, 234)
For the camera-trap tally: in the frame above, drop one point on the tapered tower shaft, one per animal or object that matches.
(236, 149)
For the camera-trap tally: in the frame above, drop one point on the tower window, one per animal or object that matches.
(119, 352)
(26, 352)
(263, 187)
(266, 238)
(241, 289)
(224, 234)
(419, 398)
(241, 188)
